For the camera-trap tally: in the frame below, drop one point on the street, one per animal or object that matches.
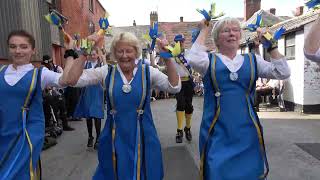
(292, 142)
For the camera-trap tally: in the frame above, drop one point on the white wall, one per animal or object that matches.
(311, 78)
(294, 85)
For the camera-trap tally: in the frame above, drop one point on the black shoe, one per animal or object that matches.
(49, 142)
(90, 142)
(68, 128)
(96, 145)
(179, 136)
(188, 134)
(283, 110)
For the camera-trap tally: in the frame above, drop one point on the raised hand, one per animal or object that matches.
(97, 39)
(68, 41)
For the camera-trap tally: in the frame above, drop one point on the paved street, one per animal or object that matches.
(292, 142)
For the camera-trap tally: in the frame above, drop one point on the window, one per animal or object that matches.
(91, 5)
(266, 55)
(290, 46)
(91, 27)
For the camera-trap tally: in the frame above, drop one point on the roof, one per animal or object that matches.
(269, 19)
(101, 5)
(290, 24)
(170, 29)
(139, 31)
(173, 28)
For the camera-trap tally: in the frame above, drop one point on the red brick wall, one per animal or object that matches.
(99, 12)
(250, 7)
(79, 15)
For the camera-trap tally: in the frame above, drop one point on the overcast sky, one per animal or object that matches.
(123, 12)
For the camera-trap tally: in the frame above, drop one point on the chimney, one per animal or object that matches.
(250, 7)
(299, 11)
(181, 18)
(134, 23)
(153, 17)
(272, 11)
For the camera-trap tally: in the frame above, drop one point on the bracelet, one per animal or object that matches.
(70, 52)
(271, 48)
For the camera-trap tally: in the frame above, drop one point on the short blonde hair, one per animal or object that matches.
(128, 38)
(219, 25)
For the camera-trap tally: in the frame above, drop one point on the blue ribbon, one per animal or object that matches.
(153, 33)
(205, 14)
(194, 34)
(104, 23)
(166, 55)
(279, 33)
(276, 36)
(55, 19)
(312, 3)
(254, 27)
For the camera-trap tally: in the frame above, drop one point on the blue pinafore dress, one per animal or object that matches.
(231, 138)
(22, 126)
(129, 146)
(91, 101)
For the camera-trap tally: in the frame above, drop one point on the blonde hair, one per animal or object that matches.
(128, 38)
(219, 25)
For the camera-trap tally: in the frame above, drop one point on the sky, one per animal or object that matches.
(123, 12)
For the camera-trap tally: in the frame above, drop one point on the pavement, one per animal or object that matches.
(292, 142)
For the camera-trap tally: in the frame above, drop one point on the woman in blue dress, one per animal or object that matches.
(231, 138)
(129, 146)
(21, 112)
(91, 102)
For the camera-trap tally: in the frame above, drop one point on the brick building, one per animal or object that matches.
(82, 17)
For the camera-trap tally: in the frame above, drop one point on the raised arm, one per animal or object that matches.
(312, 42)
(73, 69)
(278, 67)
(171, 69)
(197, 56)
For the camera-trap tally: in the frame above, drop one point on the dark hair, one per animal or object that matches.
(46, 57)
(22, 33)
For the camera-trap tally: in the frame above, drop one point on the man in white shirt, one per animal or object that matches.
(184, 108)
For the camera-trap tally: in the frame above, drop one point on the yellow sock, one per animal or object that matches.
(188, 120)
(180, 117)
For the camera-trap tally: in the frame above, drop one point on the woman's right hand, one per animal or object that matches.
(162, 42)
(97, 39)
(68, 41)
(203, 24)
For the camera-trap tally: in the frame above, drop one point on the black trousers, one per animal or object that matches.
(184, 97)
(72, 95)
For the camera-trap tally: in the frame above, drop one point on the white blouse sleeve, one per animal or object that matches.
(276, 69)
(160, 81)
(92, 76)
(313, 57)
(49, 78)
(198, 58)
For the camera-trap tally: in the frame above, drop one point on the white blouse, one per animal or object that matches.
(48, 78)
(97, 75)
(314, 57)
(198, 58)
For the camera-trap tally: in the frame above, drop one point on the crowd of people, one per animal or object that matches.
(41, 100)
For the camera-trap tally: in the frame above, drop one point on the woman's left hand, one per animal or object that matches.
(262, 34)
(97, 39)
(68, 41)
(162, 42)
